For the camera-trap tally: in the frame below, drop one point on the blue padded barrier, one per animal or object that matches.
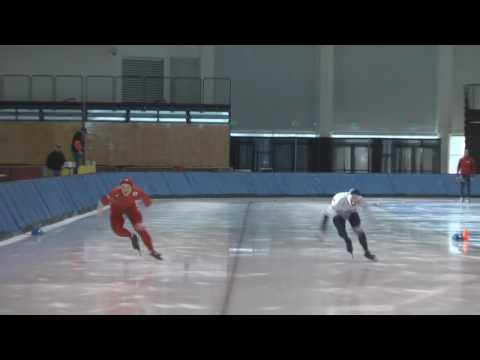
(427, 185)
(202, 183)
(333, 183)
(235, 184)
(79, 192)
(24, 203)
(373, 184)
(7, 222)
(158, 184)
(475, 186)
(301, 184)
(280, 186)
(178, 184)
(55, 196)
(452, 186)
(91, 190)
(104, 186)
(262, 186)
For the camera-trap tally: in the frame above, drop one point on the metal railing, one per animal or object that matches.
(106, 88)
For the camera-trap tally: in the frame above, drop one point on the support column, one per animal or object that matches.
(324, 89)
(167, 84)
(207, 70)
(445, 99)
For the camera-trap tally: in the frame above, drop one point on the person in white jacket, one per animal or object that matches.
(344, 207)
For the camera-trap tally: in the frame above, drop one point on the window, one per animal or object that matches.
(455, 152)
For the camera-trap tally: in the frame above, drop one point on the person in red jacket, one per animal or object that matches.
(466, 169)
(122, 200)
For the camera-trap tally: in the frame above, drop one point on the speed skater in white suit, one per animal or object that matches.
(344, 207)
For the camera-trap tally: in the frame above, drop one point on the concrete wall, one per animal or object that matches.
(388, 89)
(272, 85)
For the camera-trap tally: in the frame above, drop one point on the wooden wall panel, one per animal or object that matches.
(119, 144)
(159, 145)
(28, 143)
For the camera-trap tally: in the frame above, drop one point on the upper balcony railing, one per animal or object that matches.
(116, 89)
(114, 98)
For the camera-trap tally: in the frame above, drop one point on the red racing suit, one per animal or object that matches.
(126, 205)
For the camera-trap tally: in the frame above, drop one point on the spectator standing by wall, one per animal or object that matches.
(55, 161)
(466, 169)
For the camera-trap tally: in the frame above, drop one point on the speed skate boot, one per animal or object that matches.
(135, 243)
(370, 256)
(156, 255)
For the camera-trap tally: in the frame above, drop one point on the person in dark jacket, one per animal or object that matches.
(466, 169)
(55, 161)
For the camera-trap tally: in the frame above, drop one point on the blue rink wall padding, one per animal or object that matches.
(158, 184)
(22, 201)
(80, 192)
(7, 221)
(31, 202)
(55, 196)
(179, 184)
(408, 185)
(203, 184)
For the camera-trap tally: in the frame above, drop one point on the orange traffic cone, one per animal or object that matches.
(466, 247)
(466, 235)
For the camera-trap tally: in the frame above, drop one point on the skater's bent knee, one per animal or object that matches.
(120, 231)
(358, 230)
(139, 227)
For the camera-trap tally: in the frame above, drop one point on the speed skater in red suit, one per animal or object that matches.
(122, 200)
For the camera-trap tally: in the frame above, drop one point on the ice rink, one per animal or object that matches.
(252, 256)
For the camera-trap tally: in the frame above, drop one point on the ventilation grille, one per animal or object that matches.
(142, 80)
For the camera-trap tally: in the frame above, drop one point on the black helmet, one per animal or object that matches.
(354, 192)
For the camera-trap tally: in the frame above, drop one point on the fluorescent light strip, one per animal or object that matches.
(143, 112)
(209, 113)
(107, 111)
(222, 121)
(62, 115)
(184, 113)
(105, 118)
(424, 137)
(66, 118)
(61, 110)
(65, 115)
(272, 135)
